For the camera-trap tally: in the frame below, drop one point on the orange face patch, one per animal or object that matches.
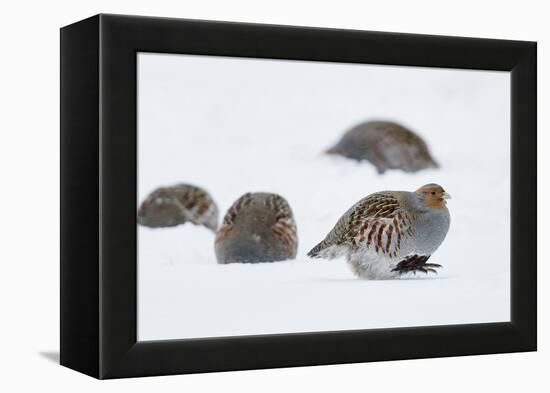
(433, 195)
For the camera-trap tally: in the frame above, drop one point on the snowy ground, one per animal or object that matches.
(237, 125)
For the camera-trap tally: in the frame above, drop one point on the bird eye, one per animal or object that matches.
(433, 192)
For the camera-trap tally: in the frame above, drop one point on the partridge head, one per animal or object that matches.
(433, 196)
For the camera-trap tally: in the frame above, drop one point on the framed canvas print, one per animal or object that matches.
(239, 196)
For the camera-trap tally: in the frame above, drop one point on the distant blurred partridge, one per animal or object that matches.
(258, 227)
(389, 233)
(176, 205)
(386, 145)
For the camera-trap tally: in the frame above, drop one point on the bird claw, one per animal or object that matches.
(416, 263)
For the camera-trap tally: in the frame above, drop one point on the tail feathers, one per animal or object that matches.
(334, 150)
(315, 251)
(328, 251)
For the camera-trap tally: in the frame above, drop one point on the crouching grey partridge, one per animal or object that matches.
(176, 205)
(389, 233)
(386, 145)
(258, 227)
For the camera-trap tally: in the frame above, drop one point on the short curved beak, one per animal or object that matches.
(446, 195)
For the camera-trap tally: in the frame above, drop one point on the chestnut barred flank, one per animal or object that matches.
(390, 233)
(258, 227)
(176, 205)
(375, 222)
(386, 145)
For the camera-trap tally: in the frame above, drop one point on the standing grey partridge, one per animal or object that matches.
(258, 227)
(176, 205)
(386, 145)
(389, 233)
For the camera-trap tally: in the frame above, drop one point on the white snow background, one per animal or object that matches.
(234, 125)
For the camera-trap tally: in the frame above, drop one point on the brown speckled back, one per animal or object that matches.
(386, 145)
(258, 227)
(176, 205)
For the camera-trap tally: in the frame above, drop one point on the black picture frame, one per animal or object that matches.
(98, 194)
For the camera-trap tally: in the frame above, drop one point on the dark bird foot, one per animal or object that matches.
(416, 263)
